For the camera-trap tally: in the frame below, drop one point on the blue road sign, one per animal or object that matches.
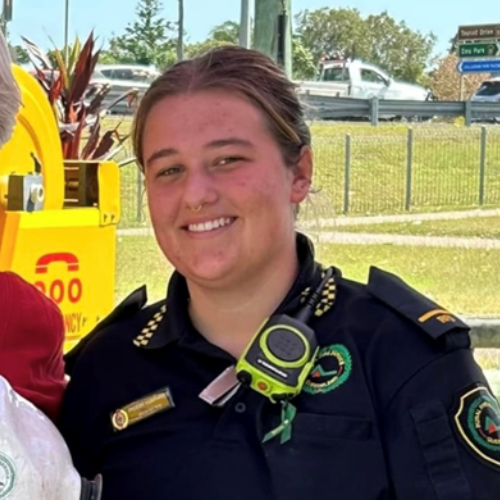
(486, 66)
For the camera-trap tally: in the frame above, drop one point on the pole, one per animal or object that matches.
(245, 24)
(6, 16)
(66, 33)
(273, 30)
(180, 33)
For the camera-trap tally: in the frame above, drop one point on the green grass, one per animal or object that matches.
(464, 280)
(445, 170)
(474, 227)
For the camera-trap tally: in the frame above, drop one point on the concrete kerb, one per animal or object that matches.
(332, 222)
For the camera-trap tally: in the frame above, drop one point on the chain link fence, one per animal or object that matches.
(419, 168)
(389, 169)
(383, 170)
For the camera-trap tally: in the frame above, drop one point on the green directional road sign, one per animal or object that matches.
(478, 50)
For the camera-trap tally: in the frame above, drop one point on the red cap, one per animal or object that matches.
(31, 343)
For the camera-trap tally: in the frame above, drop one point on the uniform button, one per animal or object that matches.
(240, 407)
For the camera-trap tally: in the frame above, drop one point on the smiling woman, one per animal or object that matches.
(264, 374)
(217, 200)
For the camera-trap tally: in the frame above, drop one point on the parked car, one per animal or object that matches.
(355, 78)
(488, 91)
(122, 78)
(129, 72)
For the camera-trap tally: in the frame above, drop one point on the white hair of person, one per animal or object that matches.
(10, 96)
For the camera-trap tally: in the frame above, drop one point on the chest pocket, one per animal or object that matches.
(440, 452)
(336, 453)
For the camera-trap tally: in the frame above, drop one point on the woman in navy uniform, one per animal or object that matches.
(390, 404)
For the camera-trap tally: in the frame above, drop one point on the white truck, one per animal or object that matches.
(357, 79)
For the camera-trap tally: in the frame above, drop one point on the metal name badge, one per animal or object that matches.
(141, 409)
(221, 389)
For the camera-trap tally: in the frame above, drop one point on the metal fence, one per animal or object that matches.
(388, 169)
(363, 170)
(375, 109)
(425, 168)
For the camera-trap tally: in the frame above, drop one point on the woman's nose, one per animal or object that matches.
(199, 189)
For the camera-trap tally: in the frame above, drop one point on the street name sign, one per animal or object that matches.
(479, 32)
(483, 49)
(483, 66)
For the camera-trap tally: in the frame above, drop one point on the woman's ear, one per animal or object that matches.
(302, 175)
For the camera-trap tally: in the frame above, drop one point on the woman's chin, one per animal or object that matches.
(209, 271)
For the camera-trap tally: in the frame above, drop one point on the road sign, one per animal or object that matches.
(484, 66)
(478, 50)
(479, 32)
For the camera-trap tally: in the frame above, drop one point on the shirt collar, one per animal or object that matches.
(172, 323)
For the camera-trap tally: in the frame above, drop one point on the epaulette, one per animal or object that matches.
(410, 303)
(128, 307)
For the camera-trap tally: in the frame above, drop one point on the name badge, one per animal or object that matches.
(141, 409)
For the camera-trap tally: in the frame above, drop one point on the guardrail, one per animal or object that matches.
(334, 108)
(485, 332)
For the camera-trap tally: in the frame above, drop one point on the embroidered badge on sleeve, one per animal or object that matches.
(478, 422)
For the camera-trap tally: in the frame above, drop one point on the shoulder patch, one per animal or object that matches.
(128, 307)
(407, 301)
(477, 421)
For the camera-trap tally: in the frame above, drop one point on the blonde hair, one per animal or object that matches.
(10, 96)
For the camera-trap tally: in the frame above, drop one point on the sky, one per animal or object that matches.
(42, 20)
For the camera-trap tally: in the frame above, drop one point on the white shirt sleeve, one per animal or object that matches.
(35, 463)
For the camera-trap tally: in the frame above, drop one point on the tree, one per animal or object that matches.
(107, 57)
(325, 30)
(394, 46)
(453, 44)
(148, 40)
(445, 80)
(21, 54)
(198, 49)
(228, 31)
(378, 39)
(304, 66)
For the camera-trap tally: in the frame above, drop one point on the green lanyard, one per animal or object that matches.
(284, 429)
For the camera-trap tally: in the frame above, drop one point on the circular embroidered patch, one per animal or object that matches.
(332, 369)
(7, 475)
(478, 422)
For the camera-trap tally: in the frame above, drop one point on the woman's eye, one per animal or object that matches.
(229, 160)
(167, 172)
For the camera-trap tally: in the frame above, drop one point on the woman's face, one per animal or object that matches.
(220, 195)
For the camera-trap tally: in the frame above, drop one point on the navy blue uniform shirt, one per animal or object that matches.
(395, 407)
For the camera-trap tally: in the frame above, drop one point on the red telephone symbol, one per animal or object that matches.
(57, 290)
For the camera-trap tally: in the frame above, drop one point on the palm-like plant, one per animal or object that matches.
(78, 104)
